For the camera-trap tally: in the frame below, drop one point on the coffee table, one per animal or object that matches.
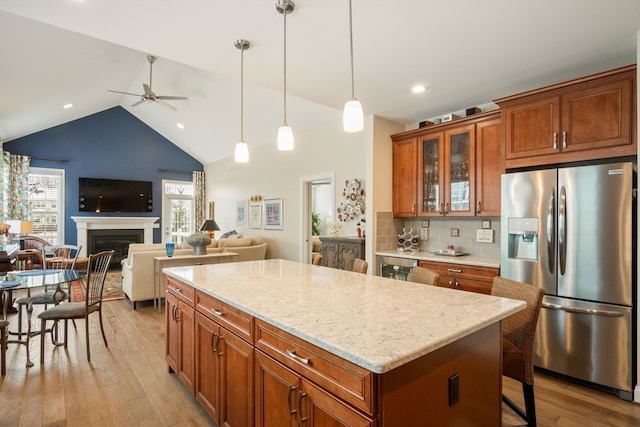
(161, 262)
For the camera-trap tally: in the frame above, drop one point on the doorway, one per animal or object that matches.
(177, 211)
(317, 201)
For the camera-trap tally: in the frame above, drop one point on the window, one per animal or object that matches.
(46, 203)
(177, 202)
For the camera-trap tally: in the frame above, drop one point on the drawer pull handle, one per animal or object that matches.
(454, 270)
(292, 354)
(217, 313)
(178, 290)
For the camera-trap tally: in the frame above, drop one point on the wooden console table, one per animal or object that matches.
(161, 262)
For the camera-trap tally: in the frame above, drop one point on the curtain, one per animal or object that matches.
(15, 185)
(199, 206)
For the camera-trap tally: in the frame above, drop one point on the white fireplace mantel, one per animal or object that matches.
(84, 223)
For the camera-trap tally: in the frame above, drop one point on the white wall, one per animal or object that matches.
(272, 173)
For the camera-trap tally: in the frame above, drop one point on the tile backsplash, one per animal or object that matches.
(439, 234)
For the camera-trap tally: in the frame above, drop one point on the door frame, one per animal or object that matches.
(167, 215)
(306, 184)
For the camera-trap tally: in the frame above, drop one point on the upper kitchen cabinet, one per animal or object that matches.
(405, 177)
(584, 119)
(453, 168)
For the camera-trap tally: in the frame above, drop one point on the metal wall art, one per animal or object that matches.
(353, 205)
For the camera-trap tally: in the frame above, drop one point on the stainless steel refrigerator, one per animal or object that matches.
(572, 231)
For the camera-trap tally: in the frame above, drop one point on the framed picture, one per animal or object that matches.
(273, 214)
(241, 213)
(255, 216)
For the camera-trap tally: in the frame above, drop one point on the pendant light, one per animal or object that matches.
(242, 150)
(352, 118)
(285, 134)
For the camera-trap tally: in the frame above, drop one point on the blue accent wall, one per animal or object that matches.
(110, 144)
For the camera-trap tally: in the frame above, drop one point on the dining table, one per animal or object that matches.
(31, 279)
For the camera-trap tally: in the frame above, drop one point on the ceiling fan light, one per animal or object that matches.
(352, 118)
(285, 138)
(242, 152)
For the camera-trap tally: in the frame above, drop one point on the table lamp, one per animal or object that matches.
(20, 228)
(199, 241)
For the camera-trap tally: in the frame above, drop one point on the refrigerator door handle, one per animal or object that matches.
(579, 310)
(551, 207)
(562, 230)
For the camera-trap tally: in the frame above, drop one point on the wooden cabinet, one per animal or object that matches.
(458, 166)
(180, 322)
(584, 119)
(340, 252)
(489, 167)
(298, 383)
(463, 276)
(284, 398)
(405, 177)
(224, 362)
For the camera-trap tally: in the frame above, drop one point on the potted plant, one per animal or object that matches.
(315, 224)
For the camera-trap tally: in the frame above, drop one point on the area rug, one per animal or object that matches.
(112, 288)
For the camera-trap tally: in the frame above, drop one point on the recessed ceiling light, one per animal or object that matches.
(418, 89)
(180, 125)
(66, 106)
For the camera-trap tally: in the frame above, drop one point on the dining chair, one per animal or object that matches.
(55, 257)
(4, 336)
(360, 266)
(317, 260)
(518, 332)
(94, 285)
(424, 275)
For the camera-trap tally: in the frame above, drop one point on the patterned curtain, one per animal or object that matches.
(199, 199)
(14, 185)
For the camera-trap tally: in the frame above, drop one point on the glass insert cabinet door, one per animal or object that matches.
(431, 175)
(459, 172)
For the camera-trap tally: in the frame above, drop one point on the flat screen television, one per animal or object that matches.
(114, 195)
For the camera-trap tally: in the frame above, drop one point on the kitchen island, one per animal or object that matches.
(277, 342)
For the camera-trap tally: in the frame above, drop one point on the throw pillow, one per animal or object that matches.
(228, 233)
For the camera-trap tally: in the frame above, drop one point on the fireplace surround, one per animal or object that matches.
(84, 224)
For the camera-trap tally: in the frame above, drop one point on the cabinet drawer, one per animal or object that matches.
(236, 321)
(181, 290)
(346, 380)
(473, 272)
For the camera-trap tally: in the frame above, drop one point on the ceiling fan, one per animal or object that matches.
(149, 95)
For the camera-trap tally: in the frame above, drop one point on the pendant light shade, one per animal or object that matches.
(242, 150)
(352, 118)
(285, 138)
(285, 134)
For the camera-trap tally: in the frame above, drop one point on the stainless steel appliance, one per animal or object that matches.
(395, 267)
(572, 232)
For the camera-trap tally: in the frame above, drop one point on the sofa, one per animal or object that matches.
(138, 268)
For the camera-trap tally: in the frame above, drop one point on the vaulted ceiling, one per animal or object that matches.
(467, 53)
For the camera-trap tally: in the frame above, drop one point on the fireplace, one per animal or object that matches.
(116, 240)
(85, 224)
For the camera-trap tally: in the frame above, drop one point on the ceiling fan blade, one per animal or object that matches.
(174, 98)
(164, 104)
(138, 103)
(124, 93)
(147, 89)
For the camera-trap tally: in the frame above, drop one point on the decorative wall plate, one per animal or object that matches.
(354, 204)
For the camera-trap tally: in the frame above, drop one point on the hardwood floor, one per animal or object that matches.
(128, 384)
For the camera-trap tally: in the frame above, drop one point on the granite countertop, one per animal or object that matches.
(430, 256)
(374, 322)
